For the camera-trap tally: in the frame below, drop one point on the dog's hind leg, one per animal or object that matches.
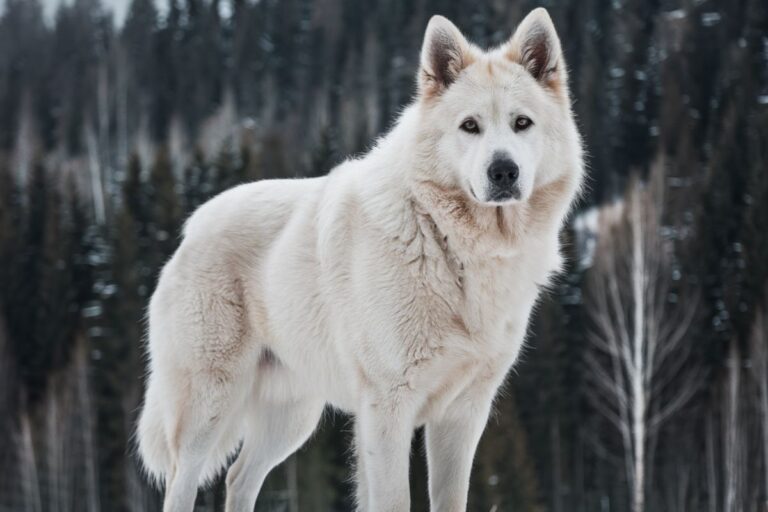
(188, 466)
(182, 488)
(273, 432)
(200, 439)
(204, 359)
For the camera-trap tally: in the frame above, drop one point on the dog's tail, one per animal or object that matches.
(153, 443)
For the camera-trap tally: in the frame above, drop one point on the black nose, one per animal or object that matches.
(503, 173)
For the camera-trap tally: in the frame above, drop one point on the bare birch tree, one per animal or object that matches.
(638, 346)
(733, 441)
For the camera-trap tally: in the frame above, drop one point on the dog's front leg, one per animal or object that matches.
(451, 443)
(384, 430)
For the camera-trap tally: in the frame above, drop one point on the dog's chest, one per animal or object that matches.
(436, 322)
(488, 298)
(489, 320)
(484, 291)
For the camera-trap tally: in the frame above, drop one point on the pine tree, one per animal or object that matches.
(504, 476)
(325, 154)
(197, 182)
(137, 41)
(165, 211)
(30, 351)
(118, 368)
(9, 224)
(227, 169)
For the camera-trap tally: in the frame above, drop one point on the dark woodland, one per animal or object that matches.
(110, 135)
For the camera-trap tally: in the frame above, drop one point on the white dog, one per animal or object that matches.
(397, 288)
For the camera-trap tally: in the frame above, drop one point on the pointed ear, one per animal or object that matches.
(536, 47)
(444, 54)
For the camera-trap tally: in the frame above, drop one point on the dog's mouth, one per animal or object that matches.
(503, 196)
(497, 197)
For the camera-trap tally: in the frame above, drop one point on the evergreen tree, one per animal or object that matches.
(504, 475)
(26, 288)
(325, 154)
(165, 211)
(197, 182)
(312, 82)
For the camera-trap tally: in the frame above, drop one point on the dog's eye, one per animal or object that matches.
(523, 123)
(470, 126)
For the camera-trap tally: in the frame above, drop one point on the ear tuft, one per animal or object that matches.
(536, 47)
(444, 54)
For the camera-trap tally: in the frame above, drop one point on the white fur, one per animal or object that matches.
(383, 289)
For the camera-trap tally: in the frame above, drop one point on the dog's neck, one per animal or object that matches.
(480, 232)
(474, 231)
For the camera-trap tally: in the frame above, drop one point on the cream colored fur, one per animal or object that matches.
(385, 289)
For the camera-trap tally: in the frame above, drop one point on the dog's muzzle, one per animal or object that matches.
(502, 179)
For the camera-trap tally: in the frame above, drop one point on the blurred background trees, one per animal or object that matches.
(111, 135)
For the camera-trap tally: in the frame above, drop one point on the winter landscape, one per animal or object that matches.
(644, 383)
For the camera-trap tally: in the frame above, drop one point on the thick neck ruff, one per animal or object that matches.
(479, 232)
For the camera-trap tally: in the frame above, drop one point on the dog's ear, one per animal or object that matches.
(444, 54)
(536, 47)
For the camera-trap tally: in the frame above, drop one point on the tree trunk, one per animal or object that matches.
(732, 442)
(638, 369)
(711, 468)
(557, 487)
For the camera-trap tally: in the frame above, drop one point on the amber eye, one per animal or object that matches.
(523, 123)
(470, 126)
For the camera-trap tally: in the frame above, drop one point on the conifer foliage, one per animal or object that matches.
(110, 136)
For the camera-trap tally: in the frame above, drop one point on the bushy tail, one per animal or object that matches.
(153, 443)
(155, 450)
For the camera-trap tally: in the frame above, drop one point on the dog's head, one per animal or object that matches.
(499, 123)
